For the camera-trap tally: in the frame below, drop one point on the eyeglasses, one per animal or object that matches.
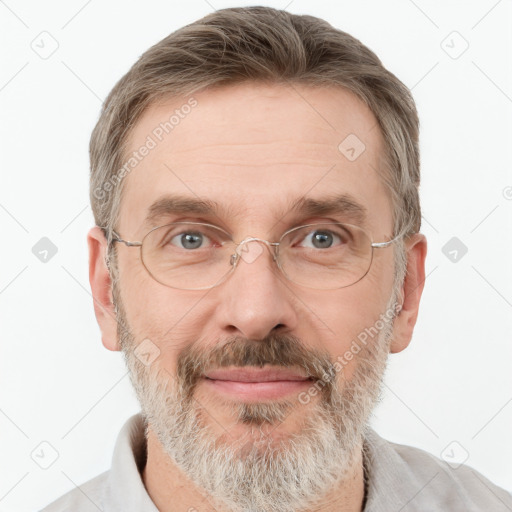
(200, 256)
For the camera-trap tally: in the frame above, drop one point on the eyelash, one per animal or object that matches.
(179, 233)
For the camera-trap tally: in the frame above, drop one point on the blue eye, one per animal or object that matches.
(189, 240)
(322, 239)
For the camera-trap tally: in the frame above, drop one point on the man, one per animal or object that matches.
(257, 256)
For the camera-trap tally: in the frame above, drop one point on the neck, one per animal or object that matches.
(171, 490)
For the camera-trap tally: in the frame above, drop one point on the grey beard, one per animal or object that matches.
(258, 472)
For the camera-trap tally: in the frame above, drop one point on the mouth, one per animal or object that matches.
(256, 384)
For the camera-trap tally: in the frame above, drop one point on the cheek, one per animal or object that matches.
(345, 316)
(344, 322)
(167, 318)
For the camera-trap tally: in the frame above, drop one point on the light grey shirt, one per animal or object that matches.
(400, 479)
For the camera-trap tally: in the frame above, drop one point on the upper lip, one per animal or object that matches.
(256, 374)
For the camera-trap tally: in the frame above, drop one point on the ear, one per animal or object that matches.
(412, 289)
(101, 286)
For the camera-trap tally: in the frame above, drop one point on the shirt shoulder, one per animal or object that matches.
(453, 483)
(420, 481)
(88, 497)
(121, 488)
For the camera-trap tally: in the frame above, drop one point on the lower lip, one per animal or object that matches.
(255, 391)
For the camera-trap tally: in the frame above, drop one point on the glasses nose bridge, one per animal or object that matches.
(239, 250)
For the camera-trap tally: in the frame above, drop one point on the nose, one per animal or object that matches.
(256, 299)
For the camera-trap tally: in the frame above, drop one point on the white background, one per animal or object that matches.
(59, 385)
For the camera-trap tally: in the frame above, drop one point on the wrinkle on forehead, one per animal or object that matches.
(246, 143)
(310, 114)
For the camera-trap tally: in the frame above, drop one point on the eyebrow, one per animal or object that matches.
(340, 205)
(180, 205)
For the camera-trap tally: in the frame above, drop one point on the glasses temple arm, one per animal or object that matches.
(389, 242)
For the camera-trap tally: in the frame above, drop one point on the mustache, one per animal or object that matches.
(274, 350)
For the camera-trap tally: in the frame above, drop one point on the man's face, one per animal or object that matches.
(255, 150)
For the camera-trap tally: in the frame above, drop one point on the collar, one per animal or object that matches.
(126, 485)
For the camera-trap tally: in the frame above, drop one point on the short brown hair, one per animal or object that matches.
(260, 44)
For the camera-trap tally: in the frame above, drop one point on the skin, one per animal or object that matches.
(254, 148)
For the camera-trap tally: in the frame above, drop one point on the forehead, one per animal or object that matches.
(254, 152)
